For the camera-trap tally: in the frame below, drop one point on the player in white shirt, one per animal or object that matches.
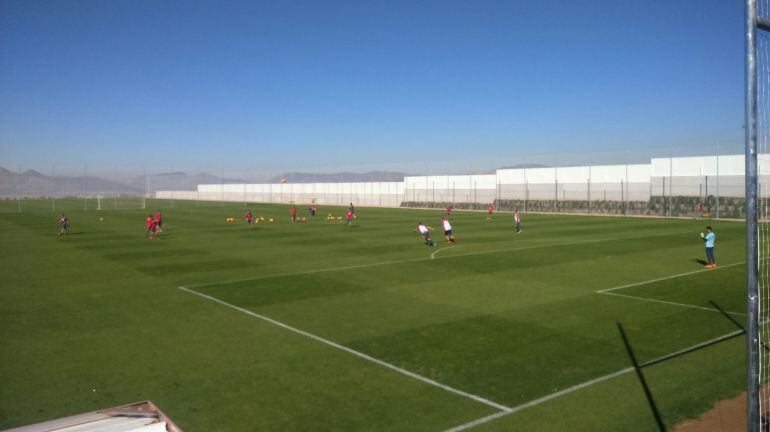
(517, 221)
(447, 229)
(425, 231)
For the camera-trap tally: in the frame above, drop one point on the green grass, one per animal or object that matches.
(96, 319)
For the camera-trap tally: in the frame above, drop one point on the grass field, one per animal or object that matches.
(316, 327)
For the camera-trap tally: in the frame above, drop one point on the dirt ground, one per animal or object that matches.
(727, 415)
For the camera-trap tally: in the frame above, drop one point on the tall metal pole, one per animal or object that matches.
(555, 186)
(85, 187)
(144, 196)
(19, 184)
(752, 237)
(717, 180)
(53, 188)
(670, 180)
(588, 184)
(115, 190)
(627, 197)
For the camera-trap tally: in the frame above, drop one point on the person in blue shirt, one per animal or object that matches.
(709, 238)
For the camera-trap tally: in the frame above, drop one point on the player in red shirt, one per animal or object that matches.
(249, 217)
(293, 213)
(448, 210)
(151, 227)
(490, 210)
(349, 218)
(158, 221)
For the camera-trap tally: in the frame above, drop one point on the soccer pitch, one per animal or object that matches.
(313, 326)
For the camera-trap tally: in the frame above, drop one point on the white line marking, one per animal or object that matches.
(359, 266)
(608, 291)
(538, 401)
(433, 255)
(354, 352)
(648, 299)
(668, 277)
(696, 346)
(574, 388)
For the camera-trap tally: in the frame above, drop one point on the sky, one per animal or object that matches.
(415, 86)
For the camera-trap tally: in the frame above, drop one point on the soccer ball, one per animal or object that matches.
(270, 220)
(101, 219)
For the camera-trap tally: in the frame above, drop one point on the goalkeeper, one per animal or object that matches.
(709, 238)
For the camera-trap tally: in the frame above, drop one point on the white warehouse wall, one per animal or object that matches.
(685, 176)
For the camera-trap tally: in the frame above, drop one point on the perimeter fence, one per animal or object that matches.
(662, 182)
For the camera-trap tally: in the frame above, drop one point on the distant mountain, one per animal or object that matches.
(340, 177)
(32, 184)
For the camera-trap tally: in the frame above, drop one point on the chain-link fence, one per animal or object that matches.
(662, 182)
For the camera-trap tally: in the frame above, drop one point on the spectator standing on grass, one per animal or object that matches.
(517, 221)
(709, 238)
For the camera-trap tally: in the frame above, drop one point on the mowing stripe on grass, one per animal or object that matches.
(692, 348)
(359, 266)
(589, 383)
(667, 278)
(359, 354)
(539, 400)
(648, 299)
(608, 291)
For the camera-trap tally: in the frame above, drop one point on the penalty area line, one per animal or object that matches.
(546, 398)
(647, 282)
(666, 302)
(359, 354)
(609, 291)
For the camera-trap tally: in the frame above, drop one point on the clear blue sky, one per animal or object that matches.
(328, 85)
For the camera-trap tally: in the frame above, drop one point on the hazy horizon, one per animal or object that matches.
(260, 87)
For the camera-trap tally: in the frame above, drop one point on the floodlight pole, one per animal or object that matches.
(85, 187)
(717, 209)
(752, 240)
(53, 188)
(19, 184)
(115, 190)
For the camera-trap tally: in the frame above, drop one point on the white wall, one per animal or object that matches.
(729, 165)
(384, 194)
(689, 176)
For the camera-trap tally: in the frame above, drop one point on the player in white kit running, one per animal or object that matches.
(425, 231)
(447, 230)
